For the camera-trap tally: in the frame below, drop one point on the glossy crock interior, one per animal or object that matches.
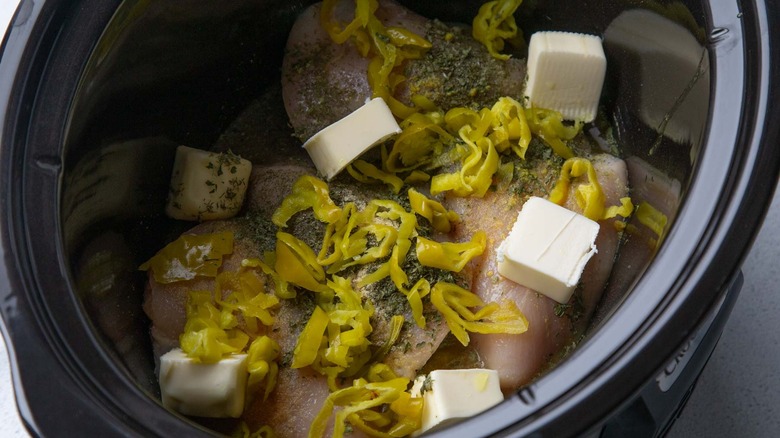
(137, 78)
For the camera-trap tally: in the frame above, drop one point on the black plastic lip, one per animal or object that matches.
(725, 224)
(63, 380)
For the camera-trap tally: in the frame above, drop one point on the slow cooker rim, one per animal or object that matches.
(31, 54)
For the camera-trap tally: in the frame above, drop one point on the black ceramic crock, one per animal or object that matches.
(94, 93)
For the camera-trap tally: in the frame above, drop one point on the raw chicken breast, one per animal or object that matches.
(551, 326)
(323, 81)
(662, 194)
(299, 394)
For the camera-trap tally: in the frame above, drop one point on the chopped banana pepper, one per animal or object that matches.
(455, 304)
(368, 173)
(417, 176)
(650, 217)
(391, 210)
(510, 127)
(450, 256)
(379, 405)
(485, 134)
(363, 11)
(281, 287)
(209, 333)
(310, 339)
(390, 47)
(422, 138)
(590, 197)
(495, 23)
(335, 339)
(263, 432)
(415, 295)
(307, 192)
(212, 329)
(476, 173)
(440, 218)
(261, 364)
(245, 298)
(296, 263)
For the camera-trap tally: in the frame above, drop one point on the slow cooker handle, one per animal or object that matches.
(660, 403)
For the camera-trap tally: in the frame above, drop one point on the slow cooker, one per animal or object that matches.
(96, 94)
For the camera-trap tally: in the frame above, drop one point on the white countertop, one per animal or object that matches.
(737, 393)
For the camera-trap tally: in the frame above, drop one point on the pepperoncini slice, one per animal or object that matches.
(393, 211)
(307, 192)
(415, 295)
(494, 23)
(416, 177)
(459, 117)
(281, 287)
(590, 197)
(296, 263)
(422, 138)
(391, 47)
(625, 209)
(261, 364)
(310, 339)
(412, 45)
(368, 173)
(190, 256)
(476, 173)
(548, 125)
(396, 324)
(247, 296)
(330, 252)
(454, 303)
(263, 432)
(652, 218)
(440, 218)
(364, 9)
(368, 406)
(347, 239)
(386, 237)
(450, 256)
(205, 339)
(510, 127)
(335, 340)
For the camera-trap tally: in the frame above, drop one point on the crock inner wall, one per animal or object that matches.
(166, 74)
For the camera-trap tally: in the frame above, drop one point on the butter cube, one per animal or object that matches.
(341, 143)
(455, 394)
(214, 390)
(548, 248)
(207, 185)
(566, 73)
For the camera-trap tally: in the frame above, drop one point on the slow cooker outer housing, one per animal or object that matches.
(67, 381)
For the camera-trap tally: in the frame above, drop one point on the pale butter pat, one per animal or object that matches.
(455, 394)
(548, 248)
(214, 390)
(207, 185)
(566, 73)
(339, 144)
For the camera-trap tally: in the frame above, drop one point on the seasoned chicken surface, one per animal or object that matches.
(551, 326)
(323, 81)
